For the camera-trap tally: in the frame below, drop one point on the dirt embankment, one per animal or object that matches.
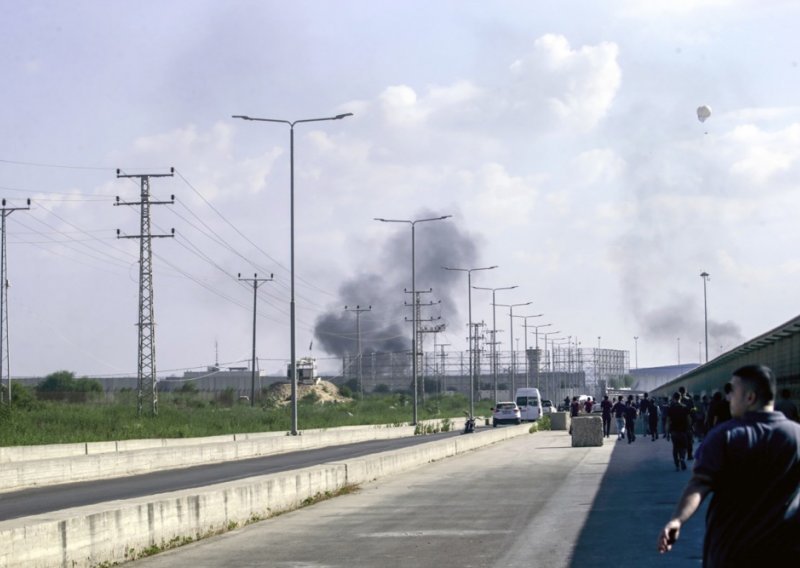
(325, 391)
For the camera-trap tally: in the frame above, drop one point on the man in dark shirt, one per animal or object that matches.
(688, 402)
(619, 414)
(751, 464)
(605, 406)
(679, 432)
(718, 411)
(630, 421)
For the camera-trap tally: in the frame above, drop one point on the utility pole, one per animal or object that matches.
(417, 321)
(254, 282)
(706, 277)
(5, 365)
(146, 371)
(443, 387)
(358, 311)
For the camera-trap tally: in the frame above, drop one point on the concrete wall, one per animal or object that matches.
(121, 530)
(32, 466)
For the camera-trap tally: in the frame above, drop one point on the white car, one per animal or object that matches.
(506, 412)
(547, 407)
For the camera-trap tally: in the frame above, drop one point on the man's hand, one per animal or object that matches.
(669, 535)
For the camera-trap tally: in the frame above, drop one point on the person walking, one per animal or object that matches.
(663, 408)
(605, 406)
(679, 428)
(630, 421)
(751, 465)
(719, 410)
(652, 417)
(644, 407)
(574, 410)
(619, 414)
(688, 402)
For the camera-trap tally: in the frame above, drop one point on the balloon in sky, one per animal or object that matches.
(703, 112)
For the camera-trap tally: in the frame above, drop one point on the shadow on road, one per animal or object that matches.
(636, 497)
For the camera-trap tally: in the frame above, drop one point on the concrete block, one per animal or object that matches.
(587, 431)
(559, 421)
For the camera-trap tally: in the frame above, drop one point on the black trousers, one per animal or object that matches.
(680, 442)
(630, 429)
(606, 425)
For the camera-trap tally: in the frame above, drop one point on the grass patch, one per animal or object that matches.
(181, 416)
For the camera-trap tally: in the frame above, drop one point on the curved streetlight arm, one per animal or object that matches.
(409, 221)
(290, 122)
(470, 269)
(494, 289)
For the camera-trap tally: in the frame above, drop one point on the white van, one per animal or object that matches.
(530, 403)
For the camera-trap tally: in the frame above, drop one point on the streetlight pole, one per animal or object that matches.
(636, 349)
(469, 272)
(292, 320)
(525, 326)
(547, 357)
(494, 331)
(511, 320)
(706, 277)
(538, 362)
(413, 224)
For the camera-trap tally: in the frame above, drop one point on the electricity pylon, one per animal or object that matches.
(146, 372)
(358, 311)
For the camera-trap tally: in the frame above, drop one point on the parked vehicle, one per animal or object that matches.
(547, 407)
(506, 412)
(530, 403)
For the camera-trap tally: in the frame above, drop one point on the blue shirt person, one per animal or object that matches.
(751, 465)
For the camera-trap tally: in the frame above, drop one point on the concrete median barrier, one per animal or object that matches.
(122, 530)
(34, 466)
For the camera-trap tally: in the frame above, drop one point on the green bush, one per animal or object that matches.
(544, 422)
(62, 385)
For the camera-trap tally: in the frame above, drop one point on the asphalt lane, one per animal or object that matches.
(53, 498)
(526, 502)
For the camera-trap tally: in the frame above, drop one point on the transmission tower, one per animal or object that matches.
(5, 367)
(358, 311)
(146, 372)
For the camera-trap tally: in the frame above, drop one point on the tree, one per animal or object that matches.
(62, 385)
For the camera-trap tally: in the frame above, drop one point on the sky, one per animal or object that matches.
(562, 138)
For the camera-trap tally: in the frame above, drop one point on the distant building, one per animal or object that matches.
(650, 378)
(215, 379)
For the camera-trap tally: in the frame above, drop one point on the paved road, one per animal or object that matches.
(527, 502)
(52, 498)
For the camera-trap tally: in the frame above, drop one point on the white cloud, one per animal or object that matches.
(672, 8)
(502, 197)
(574, 85)
(760, 156)
(600, 165)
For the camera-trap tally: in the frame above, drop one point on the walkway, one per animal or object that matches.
(531, 501)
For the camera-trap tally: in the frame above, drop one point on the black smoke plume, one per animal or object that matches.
(384, 329)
